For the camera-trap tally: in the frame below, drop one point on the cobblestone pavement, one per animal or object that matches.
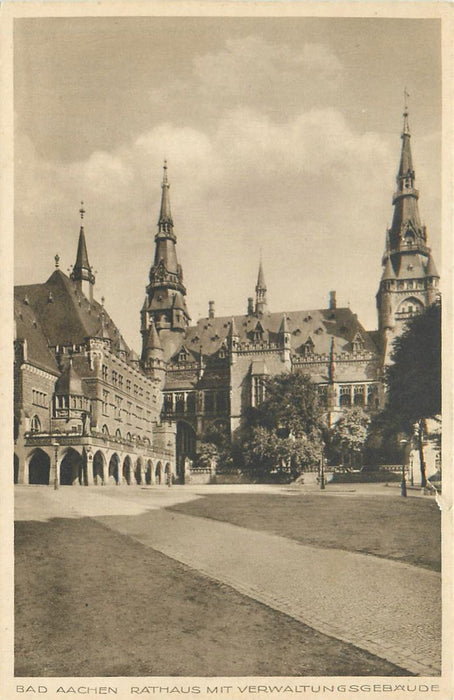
(353, 597)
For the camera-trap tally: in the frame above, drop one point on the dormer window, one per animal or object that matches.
(358, 343)
(308, 347)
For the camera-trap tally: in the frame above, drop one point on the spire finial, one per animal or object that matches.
(406, 129)
(57, 260)
(82, 211)
(165, 182)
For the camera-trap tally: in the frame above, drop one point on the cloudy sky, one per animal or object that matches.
(281, 135)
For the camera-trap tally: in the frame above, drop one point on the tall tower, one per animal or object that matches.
(260, 292)
(409, 280)
(82, 272)
(165, 303)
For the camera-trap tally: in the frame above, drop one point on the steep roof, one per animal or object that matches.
(209, 334)
(70, 382)
(28, 328)
(66, 316)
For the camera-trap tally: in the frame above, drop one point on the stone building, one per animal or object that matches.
(216, 368)
(88, 409)
(84, 410)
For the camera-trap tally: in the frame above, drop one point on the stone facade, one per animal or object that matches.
(85, 412)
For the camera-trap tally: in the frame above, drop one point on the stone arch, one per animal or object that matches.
(118, 434)
(16, 468)
(185, 445)
(138, 470)
(158, 474)
(39, 467)
(71, 468)
(114, 468)
(127, 469)
(99, 465)
(149, 472)
(410, 306)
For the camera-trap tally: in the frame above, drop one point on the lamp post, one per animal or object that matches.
(322, 471)
(55, 446)
(403, 483)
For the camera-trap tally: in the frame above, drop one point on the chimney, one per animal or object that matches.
(332, 300)
(250, 306)
(211, 309)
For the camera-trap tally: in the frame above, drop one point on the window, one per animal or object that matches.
(105, 372)
(168, 403)
(372, 396)
(258, 390)
(128, 385)
(128, 411)
(35, 425)
(39, 398)
(179, 403)
(190, 402)
(120, 381)
(323, 394)
(358, 395)
(114, 377)
(345, 398)
(118, 402)
(105, 403)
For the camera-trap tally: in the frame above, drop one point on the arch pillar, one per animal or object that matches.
(88, 480)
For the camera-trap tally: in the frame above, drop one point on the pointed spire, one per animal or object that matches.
(284, 325)
(82, 270)
(260, 291)
(165, 222)
(431, 270)
(261, 284)
(388, 270)
(233, 332)
(153, 340)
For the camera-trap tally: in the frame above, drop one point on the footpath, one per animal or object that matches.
(357, 598)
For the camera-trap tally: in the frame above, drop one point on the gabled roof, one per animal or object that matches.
(318, 324)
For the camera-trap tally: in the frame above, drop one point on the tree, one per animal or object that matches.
(292, 405)
(414, 378)
(285, 432)
(348, 436)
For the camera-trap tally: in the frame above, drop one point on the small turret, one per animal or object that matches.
(285, 338)
(153, 354)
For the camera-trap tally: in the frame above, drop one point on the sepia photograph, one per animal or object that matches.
(228, 259)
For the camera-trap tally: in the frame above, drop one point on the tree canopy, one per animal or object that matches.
(285, 431)
(348, 436)
(414, 378)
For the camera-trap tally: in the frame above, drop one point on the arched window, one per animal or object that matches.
(105, 430)
(345, 398)
(35, 425)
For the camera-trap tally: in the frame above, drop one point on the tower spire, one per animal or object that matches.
(165, 222)
(260, 291)
(82, 273)
(165, 303)
(409, 279)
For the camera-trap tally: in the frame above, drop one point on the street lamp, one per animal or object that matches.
(55, 446)
(322, 471)
(403, 483)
